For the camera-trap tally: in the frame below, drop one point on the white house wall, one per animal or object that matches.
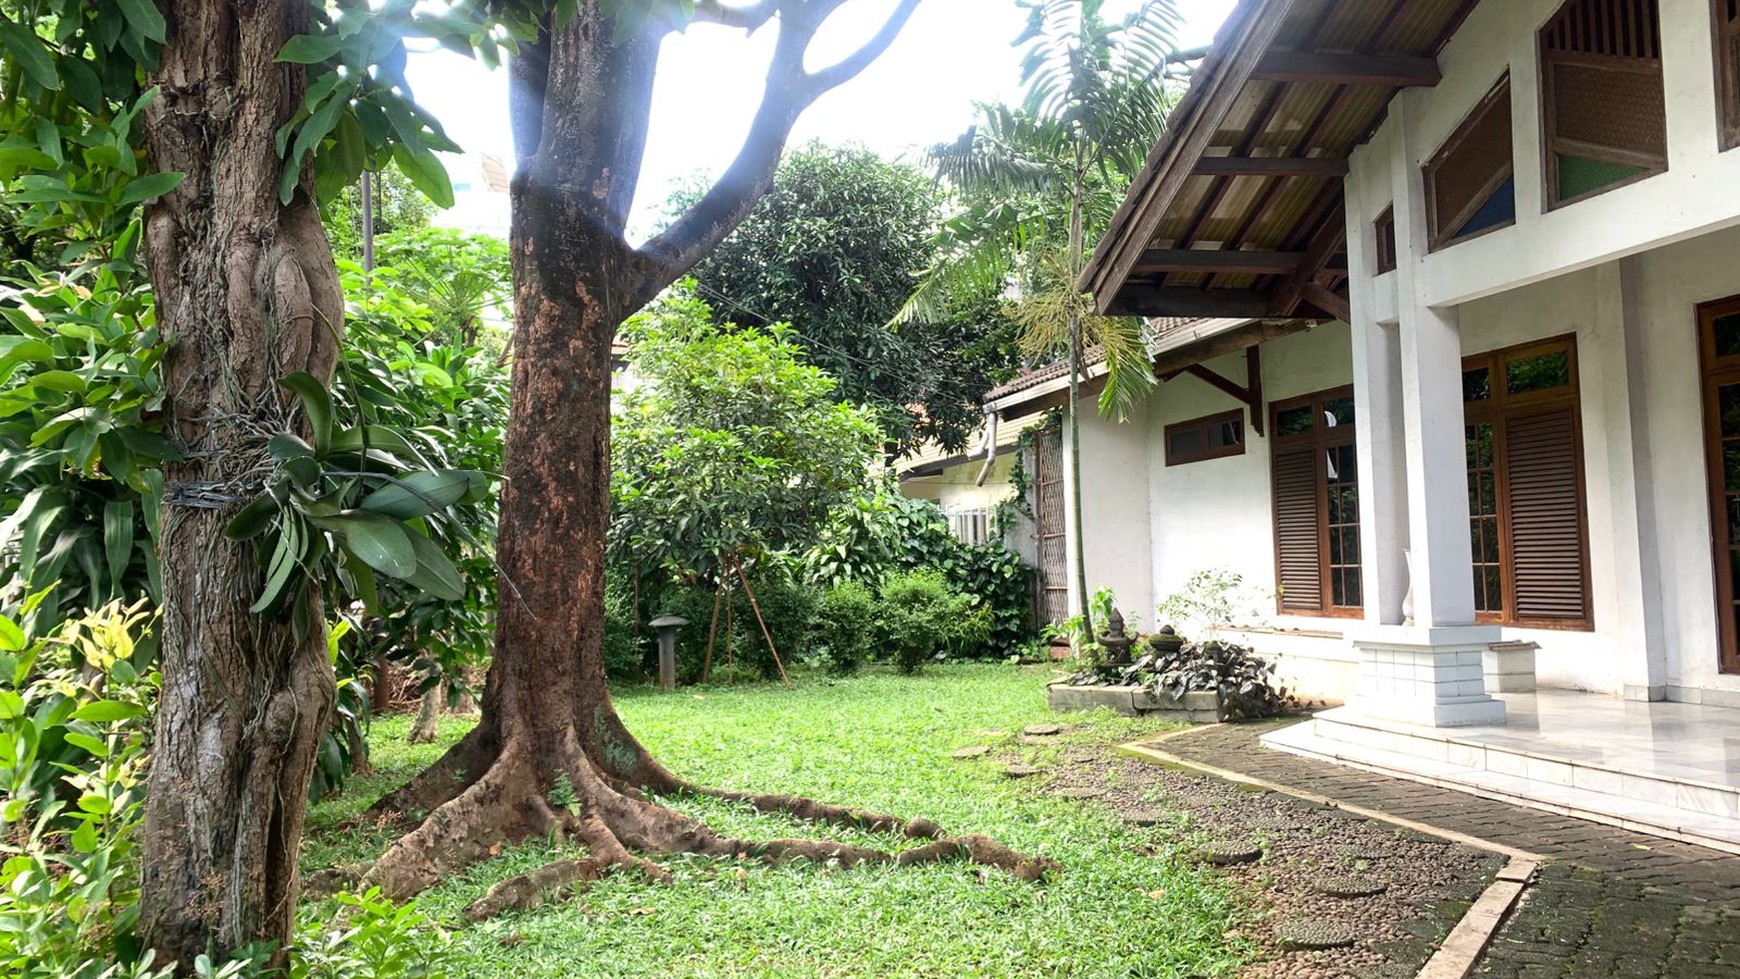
(1115, 512)
(1699, 193)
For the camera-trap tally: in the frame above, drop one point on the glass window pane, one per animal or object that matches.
(1186, 443)
(1223, 434)
(1499, 209)
(1294, 421)
(1477, 384)
(1352, 593)
(1727, 335)
(1494, 591)
(1728, 403)
(1538, 373)
(1338, 411)
(1489, 542)
(1579, 175)
(1350, 545)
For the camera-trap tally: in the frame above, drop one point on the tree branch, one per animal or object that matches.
(790, 90)
(749, 18)
(848, 67)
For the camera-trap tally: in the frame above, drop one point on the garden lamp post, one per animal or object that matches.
(667, 625)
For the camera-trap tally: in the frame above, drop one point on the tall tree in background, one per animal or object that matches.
(581, 104)
(1040, 184)
(834, 249)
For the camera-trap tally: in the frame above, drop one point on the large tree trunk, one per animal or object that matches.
(246, 292)
(550, 755)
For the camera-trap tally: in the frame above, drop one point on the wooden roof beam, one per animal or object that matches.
(1147, 300)
(1230, 261)
(1270, 166)
(1388, 71)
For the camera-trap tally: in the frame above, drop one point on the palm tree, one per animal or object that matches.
(1036, 182)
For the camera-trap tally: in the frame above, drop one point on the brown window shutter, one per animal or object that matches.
(1548, 536)
(1298, 552)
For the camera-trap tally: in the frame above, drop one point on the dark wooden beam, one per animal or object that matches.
(1229, 261)
(1147, 300)
(1229, 342)
(1326, 243)
(1332, 303)
(1271, 166)
(1387, 71)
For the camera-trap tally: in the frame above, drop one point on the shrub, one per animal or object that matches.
(925, 619)
(845, 628)
(1245, 681)
(624, 653)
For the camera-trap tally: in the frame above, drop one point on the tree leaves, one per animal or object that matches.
(144, 17)
(377, 540)
(420, 494)
(30, 53)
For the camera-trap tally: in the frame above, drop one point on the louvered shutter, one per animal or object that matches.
(1297, 549)
(1548, 537)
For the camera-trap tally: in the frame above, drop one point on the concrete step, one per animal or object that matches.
(1644, 802)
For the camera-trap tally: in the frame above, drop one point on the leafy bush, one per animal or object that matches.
(845, 629)
(924, 619)
(886, 533)
(74, 719)
(624, 659)
(371, 939)
(1245, 681)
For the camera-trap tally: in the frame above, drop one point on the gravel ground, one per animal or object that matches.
(1305, 849)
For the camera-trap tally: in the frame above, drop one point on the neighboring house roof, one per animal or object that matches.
(932, 458)
(495, 174)
(1238, 210)
(1176, 343)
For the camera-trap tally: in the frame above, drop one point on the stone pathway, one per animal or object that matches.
(1608, 904)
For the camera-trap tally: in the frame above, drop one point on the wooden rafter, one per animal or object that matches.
(1387, 71)
(1225, 261)
(1231, 342)
(1271, 166)
(1325, 244)
(1149, 300)
(1250, 393)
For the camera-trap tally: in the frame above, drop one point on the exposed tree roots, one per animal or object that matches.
(477, 804)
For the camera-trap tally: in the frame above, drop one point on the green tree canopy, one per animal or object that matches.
(834, 249)
(730, 446)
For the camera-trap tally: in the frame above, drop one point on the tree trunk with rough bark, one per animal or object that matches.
(427, 726)
(550, 757)
(246, 293)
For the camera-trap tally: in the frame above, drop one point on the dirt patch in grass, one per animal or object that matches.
(1306, 850)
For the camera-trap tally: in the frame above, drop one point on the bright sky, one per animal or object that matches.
(921, 91)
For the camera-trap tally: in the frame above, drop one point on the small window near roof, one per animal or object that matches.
(1209, 437)
(1603, 110)
(1385, 231)
(1470, 182)
(1727, 21)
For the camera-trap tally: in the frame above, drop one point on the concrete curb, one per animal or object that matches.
(1461, 949)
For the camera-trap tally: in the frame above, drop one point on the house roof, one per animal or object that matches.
(932, 458)
(1238, 210)
(1175, 343)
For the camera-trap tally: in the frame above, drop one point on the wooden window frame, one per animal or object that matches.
(1204, 424)
(1436, 237)
(1724, 34)
(1552, 145)
(1715, 372)
(1384, 237)
(1499, 408)
(1322, 438)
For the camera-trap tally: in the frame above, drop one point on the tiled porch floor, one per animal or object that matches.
(1669, 740)
(1666, 768)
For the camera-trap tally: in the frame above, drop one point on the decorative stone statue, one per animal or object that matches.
(1116, 643)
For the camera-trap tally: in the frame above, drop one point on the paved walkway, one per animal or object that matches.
(1609, 904)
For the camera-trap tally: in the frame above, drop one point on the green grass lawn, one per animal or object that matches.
(881, 742)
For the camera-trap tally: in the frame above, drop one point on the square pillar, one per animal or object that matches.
(1426, 671)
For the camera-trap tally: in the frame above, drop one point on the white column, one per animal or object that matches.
(1429, 672)
(1624, 418)
(1383, 491)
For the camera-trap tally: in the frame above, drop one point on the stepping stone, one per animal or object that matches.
(1041, 730)
(1316, 933)
(1021, 771)
(1227, 853)
(1350, 885)
(1269, 822)
(1081, 792)
(972, 752)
